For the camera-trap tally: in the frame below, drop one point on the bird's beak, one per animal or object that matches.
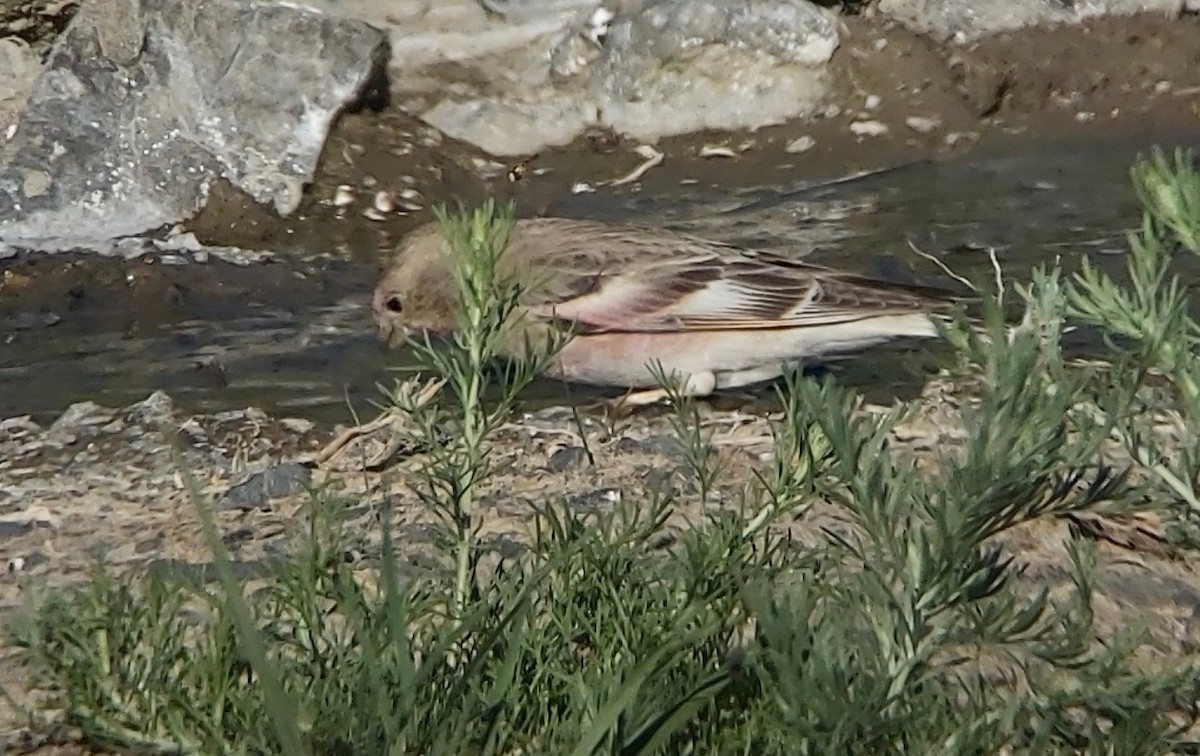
(391, 335)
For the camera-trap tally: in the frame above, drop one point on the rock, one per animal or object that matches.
(969, 21)
(800, 144)
(81, 415)
(922, 124)
(144, 102)
(868, 128)
(687, 65)
(654, 69)
(28, 321)
(156, 409)
(19, 68)
(297, 425)
(276, 481)
(567, 458)
(16, 428)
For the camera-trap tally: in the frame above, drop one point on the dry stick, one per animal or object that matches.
(335, 447)
(945, 268)
(653, 157)
(999, 276)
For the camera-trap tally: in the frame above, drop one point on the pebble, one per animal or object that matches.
(385, 202)
(566, 458)
(873, 101)
(800, 144)
(709, 150)
(154, 409)
(297, 425)
(922, 124)
(278, 480)
(868, 128)
(344, 196)
(81, 414)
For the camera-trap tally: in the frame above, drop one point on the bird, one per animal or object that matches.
(641, 303)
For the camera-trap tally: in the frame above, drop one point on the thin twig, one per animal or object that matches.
(999, 276)
(653, 157)
(945, 268)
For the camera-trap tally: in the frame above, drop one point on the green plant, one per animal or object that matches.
(907, 626)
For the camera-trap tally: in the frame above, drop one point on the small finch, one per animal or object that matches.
(713, 315)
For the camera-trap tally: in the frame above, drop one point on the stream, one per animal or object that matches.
(1049, 199)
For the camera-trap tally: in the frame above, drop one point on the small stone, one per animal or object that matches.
(868, 128)
(1162, 87)
(36, 183)
(800, 144)
(922, 124)
(297, 425)
(566, 459)
(18, 427)
(80, 415)
(344, 196)
(276, 481)
(183, 242)
(873, 101)
(152, 410)
(1085, 116)
(385, 202)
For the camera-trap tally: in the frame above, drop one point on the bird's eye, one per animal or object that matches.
(394, 304)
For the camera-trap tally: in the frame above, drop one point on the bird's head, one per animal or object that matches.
(416, 292)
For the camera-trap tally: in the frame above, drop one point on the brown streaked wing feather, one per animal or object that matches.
(733, 291)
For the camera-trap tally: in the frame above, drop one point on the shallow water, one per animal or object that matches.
(1047, 200)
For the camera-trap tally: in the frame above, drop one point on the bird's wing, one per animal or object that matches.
(726, 290)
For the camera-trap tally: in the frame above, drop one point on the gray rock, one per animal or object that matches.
(154, 410)
(686, 65)
(81, 415)
(257, 490)
(657, 69)
(143, 102)
(19, 68)
(968, 21)
(567, 458)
